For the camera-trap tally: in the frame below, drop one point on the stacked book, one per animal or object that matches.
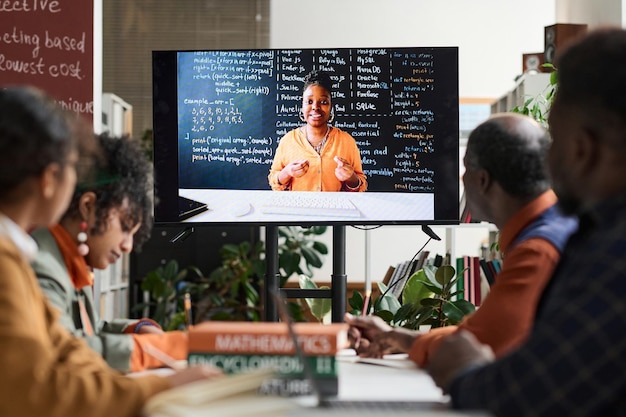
(403, 271)
(477, 277)
(237, 347)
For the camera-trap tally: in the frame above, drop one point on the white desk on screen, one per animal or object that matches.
(226, 206)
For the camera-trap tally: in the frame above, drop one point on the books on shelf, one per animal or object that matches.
(396, 284)
(489, 270)
(404, 271)
(238, 347)
(475, 281)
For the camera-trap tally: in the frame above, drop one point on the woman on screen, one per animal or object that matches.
(317, 156)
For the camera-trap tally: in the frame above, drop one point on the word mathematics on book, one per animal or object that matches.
(238, 347)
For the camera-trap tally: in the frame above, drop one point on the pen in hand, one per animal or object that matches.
(188, 317)
(366, 301)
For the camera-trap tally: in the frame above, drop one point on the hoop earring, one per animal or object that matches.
(83, 249)
(301, 116)
(332, 115)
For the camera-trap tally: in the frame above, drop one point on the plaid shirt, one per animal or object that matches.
(574, 361)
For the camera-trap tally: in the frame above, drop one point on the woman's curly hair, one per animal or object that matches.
(123, 174)
(320, 78)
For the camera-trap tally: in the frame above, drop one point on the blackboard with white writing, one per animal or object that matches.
(400, 105)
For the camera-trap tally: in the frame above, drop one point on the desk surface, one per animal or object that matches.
(356, 381)
(364, 381)
(359, 381)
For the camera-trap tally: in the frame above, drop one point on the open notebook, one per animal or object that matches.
(231, 395)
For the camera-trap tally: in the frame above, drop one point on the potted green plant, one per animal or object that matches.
(430, 297)
(231, 291)
(166, 303)
(538, 107)
(319, 307)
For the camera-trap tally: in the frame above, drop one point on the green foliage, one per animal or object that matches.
(231, 291)
(539, 107)
(319, 307)
(164, 285)
(299, 251)
(428, 298)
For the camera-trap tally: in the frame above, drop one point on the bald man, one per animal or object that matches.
(506, 183)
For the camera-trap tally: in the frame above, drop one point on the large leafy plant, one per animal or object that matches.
(319, 307)
(430, 297)
(231, 291)
(299, 251)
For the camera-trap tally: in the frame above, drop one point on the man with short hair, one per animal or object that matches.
(574, 361)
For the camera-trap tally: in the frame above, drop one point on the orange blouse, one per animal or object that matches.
(321, 174)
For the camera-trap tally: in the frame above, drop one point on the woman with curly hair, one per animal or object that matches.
(45, 370)
(108, 215)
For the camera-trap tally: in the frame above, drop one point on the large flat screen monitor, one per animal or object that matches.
(219, 116)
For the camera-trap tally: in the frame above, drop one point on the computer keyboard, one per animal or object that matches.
(309, 204)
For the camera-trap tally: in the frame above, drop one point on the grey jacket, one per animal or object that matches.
(54, 280)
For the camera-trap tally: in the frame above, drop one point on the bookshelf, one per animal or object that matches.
(117, 115)
(111, 285)
(111, 289)
(530, 84)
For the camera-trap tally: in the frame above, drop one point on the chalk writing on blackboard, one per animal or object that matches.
(400, 105)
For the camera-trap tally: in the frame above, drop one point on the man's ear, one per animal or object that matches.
(585, 153)
(87, 204)
(484, 180)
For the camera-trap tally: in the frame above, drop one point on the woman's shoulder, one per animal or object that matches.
(342, 134)
(293, 133)
(338, 131)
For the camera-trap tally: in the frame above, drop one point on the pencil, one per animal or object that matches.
(187, 304)
(366, 303)
(163, 357)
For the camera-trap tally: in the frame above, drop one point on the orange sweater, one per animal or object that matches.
(505, 317)
(321, 173)
(45, 370)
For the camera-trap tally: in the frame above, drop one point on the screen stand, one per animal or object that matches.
(337, 292)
